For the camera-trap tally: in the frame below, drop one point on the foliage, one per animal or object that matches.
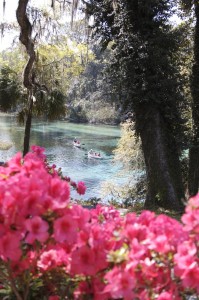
(57, 65)
(183, 57)
(94, 90)
(10, 92)
(51, 248)
(193, 180)
(128, 194)
(143, 43)
(128, 150)
(128, 153)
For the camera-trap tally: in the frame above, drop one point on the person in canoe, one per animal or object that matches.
(94, 154)
(76, 142)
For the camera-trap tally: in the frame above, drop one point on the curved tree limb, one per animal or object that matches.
(28, 42)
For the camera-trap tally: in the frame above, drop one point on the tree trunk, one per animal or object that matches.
(27, 41)
(193, 177)
(165, 186)
(28, 126)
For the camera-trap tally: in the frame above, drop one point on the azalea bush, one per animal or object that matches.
(51, 248)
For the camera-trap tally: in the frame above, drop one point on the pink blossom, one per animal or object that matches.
(165, 296)
(160, 244)
(137, 231)
(80, 215)
(190, 220)
(52, 258)
(39, 151)
(10, 247)
(98, 289)
(15, 163)
(147, 217)
(83, 261)
(190, 277)
(137, 250)
(81, 188)
(104, 213)
(121, 284)
(37, 230)
(65, 229)
(73, 184)
(53, 297)
(83, 289)
(59, 190)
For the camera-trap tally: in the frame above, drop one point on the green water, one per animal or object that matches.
(57, 138)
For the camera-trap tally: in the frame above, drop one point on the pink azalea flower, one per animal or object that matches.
(137, 251)
(39, 151)
(130, 218)
(65, 229)
(53, 258)
(59, 190)
(81, 188)
(83, 261)
(37, 230)
(33, 203)
(10, 247)
(98, 289)
(120, 284)
(83, 289)
(53, 297)
(191, 221)
(190, 277)
(165, 296)
(183, 263)
(146, 217)
(160, 244)
(185, 257)
(149, 269)
(15, 163)
(81, 215)
(104, 213)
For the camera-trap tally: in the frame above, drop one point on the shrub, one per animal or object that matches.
(51, 248)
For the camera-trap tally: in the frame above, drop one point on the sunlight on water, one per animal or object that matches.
(57, 138)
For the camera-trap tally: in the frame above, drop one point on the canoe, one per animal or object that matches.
(77, 144)
(93, 155)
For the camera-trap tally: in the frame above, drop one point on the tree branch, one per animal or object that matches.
(26, 40)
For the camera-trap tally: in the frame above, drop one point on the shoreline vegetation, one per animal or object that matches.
(5, 145)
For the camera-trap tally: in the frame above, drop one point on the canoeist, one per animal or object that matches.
(93, 154)
(76, 143)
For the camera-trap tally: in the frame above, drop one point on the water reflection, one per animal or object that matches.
(57, 138)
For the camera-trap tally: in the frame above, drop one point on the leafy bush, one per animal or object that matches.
(53, 249)
(132, 186)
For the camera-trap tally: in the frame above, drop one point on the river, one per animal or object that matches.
(57, 138)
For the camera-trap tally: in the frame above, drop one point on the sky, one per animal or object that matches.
(10, 16)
